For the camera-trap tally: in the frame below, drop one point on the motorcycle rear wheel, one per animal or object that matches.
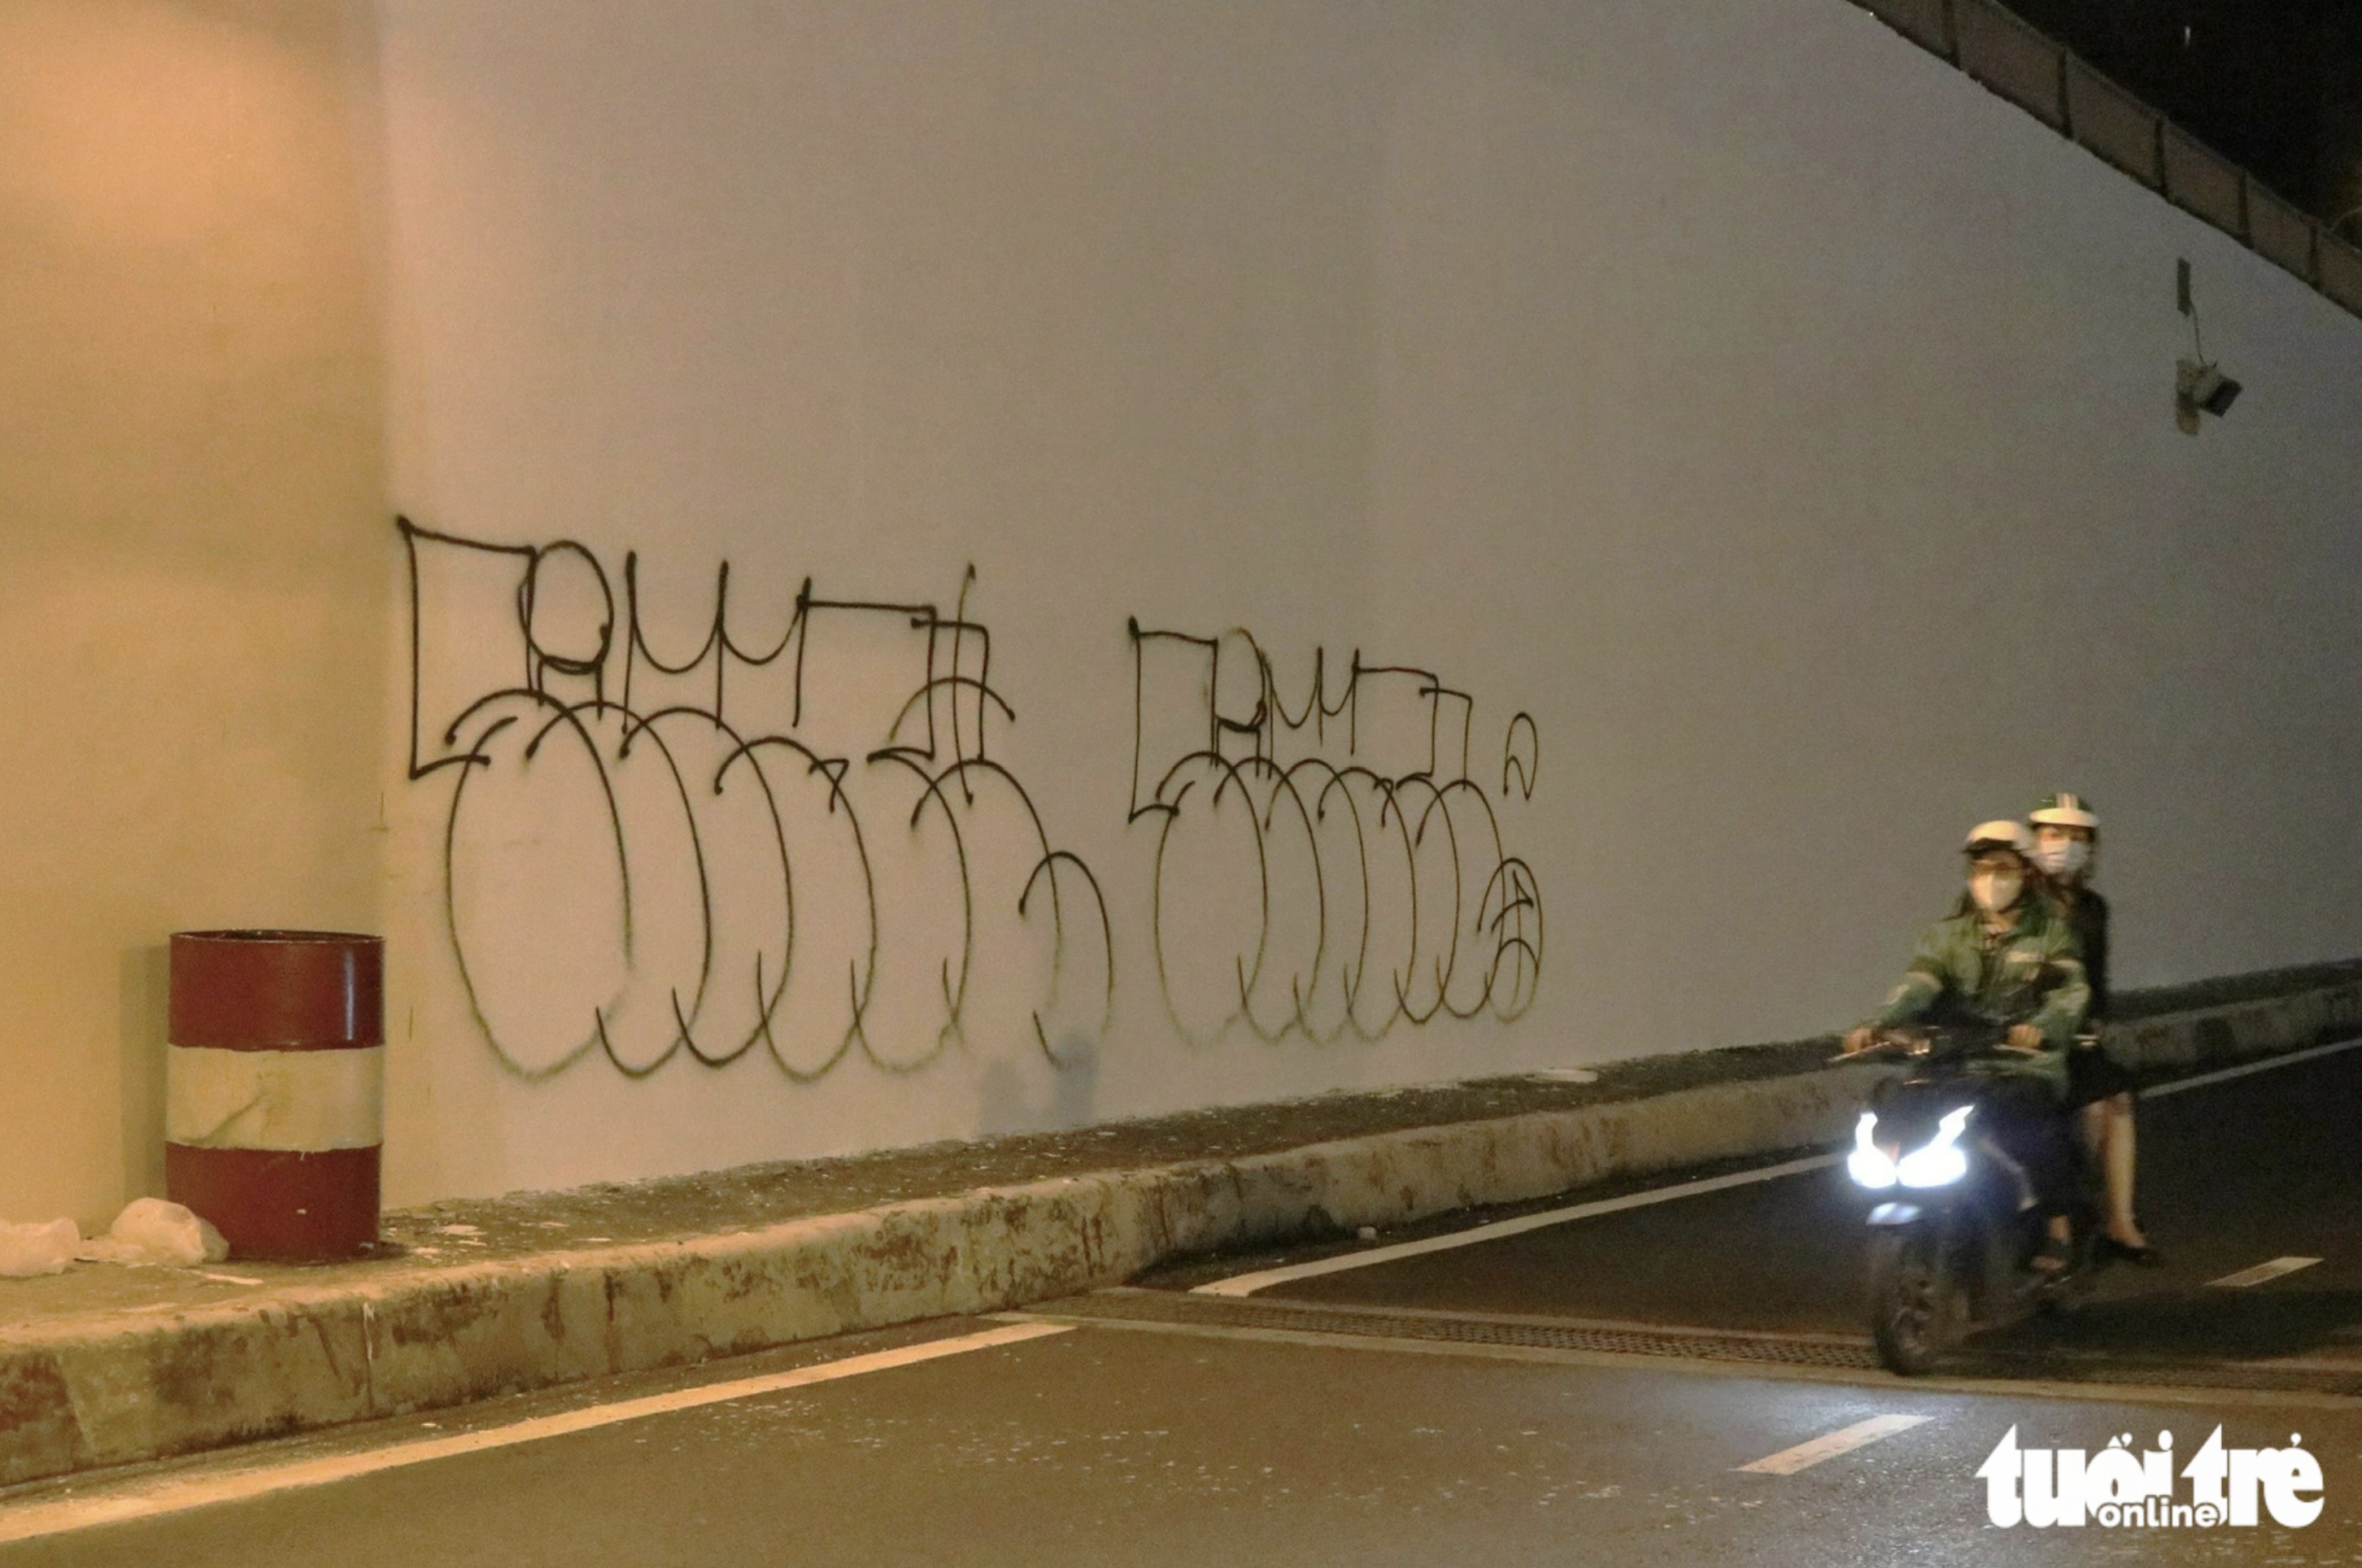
(1915, 1302)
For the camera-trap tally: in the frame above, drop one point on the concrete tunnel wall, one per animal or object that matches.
(1692, 462)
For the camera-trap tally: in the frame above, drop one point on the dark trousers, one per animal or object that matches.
(2028, 1124)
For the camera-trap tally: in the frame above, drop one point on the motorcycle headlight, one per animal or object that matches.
(1869, 1164)
(1942, 1163)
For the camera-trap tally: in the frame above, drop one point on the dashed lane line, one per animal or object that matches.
(1828, 1445)
(2262, 1272)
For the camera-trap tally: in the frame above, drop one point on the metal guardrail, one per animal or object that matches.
(2014, 60)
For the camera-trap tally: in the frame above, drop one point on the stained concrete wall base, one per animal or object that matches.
(79, 1392)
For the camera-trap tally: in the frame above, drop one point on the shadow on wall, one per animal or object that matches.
(799, 843)
(1333, 869)
(1007, 1102)
(144, 984)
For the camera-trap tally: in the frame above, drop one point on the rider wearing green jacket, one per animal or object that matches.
(2004, 957)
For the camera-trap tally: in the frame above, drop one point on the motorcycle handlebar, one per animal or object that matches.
(1894, 1042)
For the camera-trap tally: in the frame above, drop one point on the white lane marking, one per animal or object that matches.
(176, 1494)
(2262, 1272)
(2265, 1065)
(1248, 1284)
(1828, 1445)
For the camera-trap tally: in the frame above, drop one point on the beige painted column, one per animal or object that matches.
(194, 544)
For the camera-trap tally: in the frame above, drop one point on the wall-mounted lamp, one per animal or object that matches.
(2198, 385)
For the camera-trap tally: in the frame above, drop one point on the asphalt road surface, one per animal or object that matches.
(1682, 1380)
(2235, 1173)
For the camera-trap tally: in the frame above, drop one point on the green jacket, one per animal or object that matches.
(2030, 973)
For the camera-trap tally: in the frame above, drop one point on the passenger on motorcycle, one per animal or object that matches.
(2004, 957)
(2066, 841)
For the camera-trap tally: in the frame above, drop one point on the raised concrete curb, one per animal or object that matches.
(76, 1393)
(2206, 1037)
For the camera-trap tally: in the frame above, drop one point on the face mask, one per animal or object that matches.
(1995, 890)
(2065, 857)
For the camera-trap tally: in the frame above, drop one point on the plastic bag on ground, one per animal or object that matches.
(150, 1230)
(27, 1250)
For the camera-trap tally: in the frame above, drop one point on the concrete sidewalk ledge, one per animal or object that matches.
(107, 1388)
(2214, 1036)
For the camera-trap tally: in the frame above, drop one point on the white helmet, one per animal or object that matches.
(2001, 834)
(2065, 809)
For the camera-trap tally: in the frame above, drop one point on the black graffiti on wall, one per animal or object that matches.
(1328, 867)
(798, 844)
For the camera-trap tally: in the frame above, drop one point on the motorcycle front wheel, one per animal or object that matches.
(1914, 1300)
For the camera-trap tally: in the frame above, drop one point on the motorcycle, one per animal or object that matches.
(1956, 1248)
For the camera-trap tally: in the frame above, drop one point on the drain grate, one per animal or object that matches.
(1469, 1328)
(1830, 1350)
(2254, 1377)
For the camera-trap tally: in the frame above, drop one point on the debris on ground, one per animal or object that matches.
(27, 1250)
(151, 1231)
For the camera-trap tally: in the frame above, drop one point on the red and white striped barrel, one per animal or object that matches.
(274, 1093)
